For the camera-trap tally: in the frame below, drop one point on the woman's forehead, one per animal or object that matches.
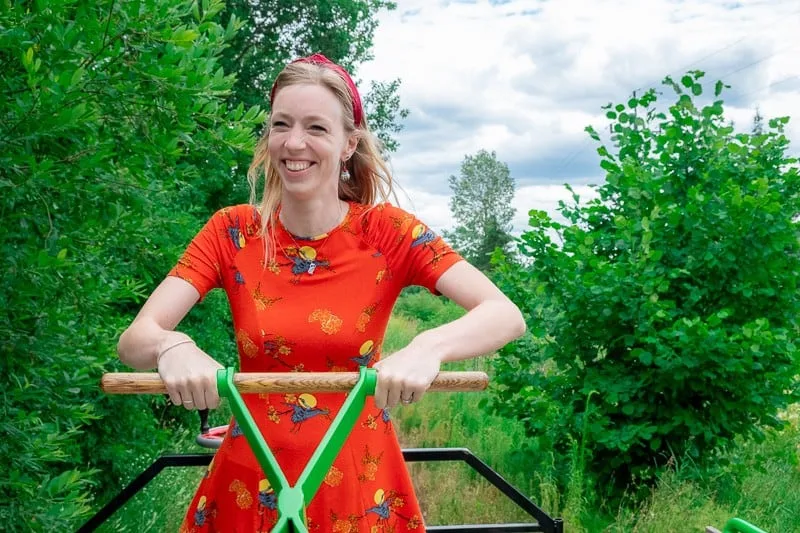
(307, 101)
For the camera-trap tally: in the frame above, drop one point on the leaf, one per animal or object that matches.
(77, 76)
(184, 37)
(645, 357)
(592, 133)
(608, 166)
(27, 58)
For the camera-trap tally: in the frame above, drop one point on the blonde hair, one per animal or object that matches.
(370, 178)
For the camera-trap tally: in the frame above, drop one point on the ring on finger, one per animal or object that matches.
(409, 400)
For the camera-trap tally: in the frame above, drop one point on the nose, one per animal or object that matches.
(296, 139)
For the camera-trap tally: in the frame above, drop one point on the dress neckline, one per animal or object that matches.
(319, 237)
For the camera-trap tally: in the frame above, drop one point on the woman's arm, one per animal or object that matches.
(152, 331)
(151, 341)
(491, 321)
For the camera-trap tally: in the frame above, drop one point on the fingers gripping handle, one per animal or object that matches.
(286, 382)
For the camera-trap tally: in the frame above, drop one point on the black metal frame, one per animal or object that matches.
(544, 524)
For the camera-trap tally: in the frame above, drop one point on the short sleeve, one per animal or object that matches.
(203, 260)
(414, 252)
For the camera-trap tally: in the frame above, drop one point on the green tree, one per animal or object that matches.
(664, 326)
(116, 132)
(276, 31)
(382, 107)
(481, 206)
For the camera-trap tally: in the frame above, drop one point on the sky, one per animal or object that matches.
(523, 78)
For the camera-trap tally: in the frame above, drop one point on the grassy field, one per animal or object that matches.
(762, 487)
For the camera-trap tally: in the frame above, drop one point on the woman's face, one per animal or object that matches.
(307, 140)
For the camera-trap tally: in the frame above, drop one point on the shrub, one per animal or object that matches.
(673, 295)
(116, 131)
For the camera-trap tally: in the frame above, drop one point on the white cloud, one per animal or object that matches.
(524, 78)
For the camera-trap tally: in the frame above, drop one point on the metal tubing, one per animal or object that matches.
(545, 523)
(463, 454)
(165, 461)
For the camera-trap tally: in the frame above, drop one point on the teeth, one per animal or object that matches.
(297, 165)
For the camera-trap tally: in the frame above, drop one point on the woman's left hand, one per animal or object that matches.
(405, 376)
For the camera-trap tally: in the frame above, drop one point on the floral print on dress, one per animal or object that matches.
(328, 322)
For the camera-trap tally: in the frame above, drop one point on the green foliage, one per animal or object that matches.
(122, 132)
(399, 333)
(673, 297)
(481, 206)
(431, 310)
(116, 137)
(759, 485)
(459, 420)
(384, 114)
(277, 32)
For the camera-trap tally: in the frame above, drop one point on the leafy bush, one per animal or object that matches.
(116, 134)
(665, 321)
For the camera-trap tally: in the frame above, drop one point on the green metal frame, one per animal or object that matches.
(737, 525)
(293, 500)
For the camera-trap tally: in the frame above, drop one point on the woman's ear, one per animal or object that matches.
(352, 144)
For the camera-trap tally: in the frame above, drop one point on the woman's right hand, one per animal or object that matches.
(190, 376)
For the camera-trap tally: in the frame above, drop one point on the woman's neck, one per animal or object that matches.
(312, 218)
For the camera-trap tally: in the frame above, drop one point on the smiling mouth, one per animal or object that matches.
(297, 166)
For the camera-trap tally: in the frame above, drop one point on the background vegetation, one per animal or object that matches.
(124, 126)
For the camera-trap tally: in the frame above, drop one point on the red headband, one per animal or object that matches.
(321, 60)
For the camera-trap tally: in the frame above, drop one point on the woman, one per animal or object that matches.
(312, 274)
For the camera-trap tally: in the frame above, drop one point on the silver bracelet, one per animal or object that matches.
(168, 348)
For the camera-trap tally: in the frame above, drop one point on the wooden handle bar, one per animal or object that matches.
(283, 382)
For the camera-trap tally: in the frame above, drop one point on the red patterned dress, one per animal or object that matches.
(321, 304)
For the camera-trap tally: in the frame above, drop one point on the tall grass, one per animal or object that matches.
(162, 504)
(452, 493)
(762, 486)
